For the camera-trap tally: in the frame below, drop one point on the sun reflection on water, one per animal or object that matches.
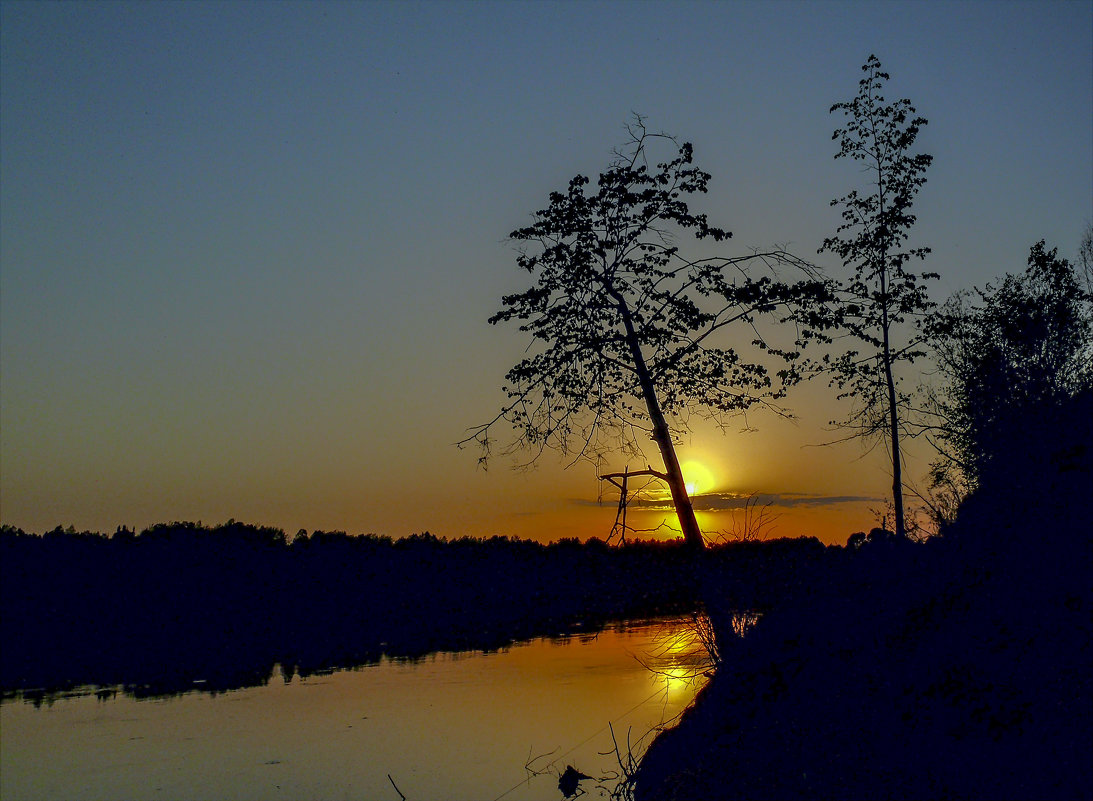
(679, 660)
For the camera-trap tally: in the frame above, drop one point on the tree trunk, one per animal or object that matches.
(688, 524)
(893, 423)
(893, 411)
(692, 535)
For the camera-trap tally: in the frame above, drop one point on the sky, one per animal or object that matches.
(248, 250)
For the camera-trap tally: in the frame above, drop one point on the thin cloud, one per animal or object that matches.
(720, 501)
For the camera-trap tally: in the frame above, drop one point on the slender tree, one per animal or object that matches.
(627, 333)
(883, 293)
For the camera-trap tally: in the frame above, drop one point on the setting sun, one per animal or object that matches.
(697, 477)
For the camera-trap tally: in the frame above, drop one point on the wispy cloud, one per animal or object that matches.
(729, 500)
(720, 501)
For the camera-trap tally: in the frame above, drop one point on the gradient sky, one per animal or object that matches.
(247, 250)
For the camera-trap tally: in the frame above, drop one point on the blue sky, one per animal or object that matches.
(247, 250)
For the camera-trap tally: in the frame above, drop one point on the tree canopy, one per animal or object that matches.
(1016, 358)
(626, 327)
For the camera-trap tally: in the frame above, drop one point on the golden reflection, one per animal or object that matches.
(677, 643)
(441, 721)
(678, 680)
(679, 660)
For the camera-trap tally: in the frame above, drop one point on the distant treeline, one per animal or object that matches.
(180, 602)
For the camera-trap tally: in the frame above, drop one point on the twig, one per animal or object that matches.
(531, 760)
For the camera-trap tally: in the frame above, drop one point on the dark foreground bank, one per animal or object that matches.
(958, 668)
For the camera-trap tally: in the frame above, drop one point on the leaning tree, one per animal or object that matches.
(627, 331)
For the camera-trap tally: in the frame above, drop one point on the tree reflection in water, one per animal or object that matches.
(452, 725)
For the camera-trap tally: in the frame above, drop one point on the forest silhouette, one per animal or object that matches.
(186, 607)
(184, 602)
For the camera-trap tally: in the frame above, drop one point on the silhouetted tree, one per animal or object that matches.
(1015, 357)
(627, 327)
(883, 293)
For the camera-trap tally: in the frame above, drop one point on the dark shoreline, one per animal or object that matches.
(961, 668)
(154, 612)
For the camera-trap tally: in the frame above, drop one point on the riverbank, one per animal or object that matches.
(958, 668)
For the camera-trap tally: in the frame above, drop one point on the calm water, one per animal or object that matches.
(454, 726)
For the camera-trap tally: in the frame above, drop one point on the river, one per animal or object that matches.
(477, 726)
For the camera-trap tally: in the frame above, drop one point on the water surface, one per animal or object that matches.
(455, 726)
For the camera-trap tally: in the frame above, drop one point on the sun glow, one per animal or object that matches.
(697, 477)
